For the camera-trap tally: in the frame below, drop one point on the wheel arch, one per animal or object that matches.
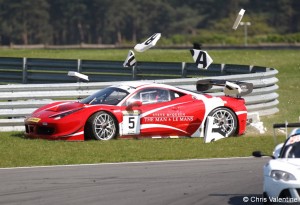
(229, 108)
(94, 112)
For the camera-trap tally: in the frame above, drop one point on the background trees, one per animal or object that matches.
(24, 22)
(121, 22)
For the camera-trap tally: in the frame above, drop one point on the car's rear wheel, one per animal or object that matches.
(225, 119)
(101, 126)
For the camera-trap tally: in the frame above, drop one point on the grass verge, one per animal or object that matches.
(16, 151)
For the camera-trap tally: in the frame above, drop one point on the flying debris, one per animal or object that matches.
(150, 42)
(201, 58)
(197, 46)
(130, 60)
(78, 75)
(238, 19)
(213, 132)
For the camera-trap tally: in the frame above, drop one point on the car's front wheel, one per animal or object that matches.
(266, 199)
(101, 126)
(225, 119)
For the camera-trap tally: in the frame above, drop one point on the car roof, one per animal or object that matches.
(131, 86)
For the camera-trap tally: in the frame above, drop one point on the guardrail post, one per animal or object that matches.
(222, 68)
(78, 65)
(24, 71)
(183, 70)
(250, 68)
(134, 71)
(78, 68)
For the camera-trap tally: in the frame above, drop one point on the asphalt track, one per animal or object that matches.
(207, 182)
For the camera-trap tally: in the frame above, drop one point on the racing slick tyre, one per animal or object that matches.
(101, 126)
(225, 119)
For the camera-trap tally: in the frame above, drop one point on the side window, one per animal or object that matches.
(152, 95)
(174, 94)
(148, 97)
(155, 95)
(163, 95)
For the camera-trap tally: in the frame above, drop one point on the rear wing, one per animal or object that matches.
(237, 88)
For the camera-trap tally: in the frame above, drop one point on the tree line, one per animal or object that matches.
(62, 22)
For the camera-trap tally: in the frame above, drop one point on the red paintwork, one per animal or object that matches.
(238, 105)
(173, 116)
(185, 114)
(68, 125)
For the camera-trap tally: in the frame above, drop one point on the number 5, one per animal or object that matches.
(131, 122)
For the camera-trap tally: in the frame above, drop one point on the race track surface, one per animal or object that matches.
(215, 181)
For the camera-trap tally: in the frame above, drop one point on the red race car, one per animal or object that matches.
(138, 109)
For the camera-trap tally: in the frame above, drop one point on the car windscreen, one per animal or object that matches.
(107, 96)
(291, 150)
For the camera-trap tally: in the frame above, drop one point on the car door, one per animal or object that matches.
(168, 113)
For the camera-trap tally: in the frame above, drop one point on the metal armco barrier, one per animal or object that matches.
(38, 70)
(19, 100)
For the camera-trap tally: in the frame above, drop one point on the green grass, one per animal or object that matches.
(20, 152)
(17, 151)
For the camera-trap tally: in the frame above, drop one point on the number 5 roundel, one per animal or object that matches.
(131, 122)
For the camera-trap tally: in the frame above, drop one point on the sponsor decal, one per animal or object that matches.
(293, 139)
(161, 108)
(33, 119)
(168, 117)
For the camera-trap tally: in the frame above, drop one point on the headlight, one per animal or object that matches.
(282, 175)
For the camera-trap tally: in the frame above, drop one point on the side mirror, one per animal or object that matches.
(260, 154)
(257, 154)
(132, 104)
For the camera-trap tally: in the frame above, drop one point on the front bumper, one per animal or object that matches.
(51, 132)
(279, 189)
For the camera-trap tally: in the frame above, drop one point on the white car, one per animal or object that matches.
(282, 172)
